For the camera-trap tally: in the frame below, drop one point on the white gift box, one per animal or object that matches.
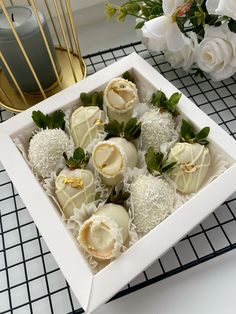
(93, 290)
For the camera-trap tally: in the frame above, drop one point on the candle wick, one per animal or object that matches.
(12, 17)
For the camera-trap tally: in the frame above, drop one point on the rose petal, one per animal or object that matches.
(174, 38)
(227, 8)
(222, 75)
(216, 32)
(212, 5)
(169, 6)
(156, 44)
(158, 26)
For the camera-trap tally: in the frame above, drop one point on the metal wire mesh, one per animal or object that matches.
(30, 280)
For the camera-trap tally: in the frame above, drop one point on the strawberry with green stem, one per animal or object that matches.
(158, 124)
(152, 195)
(47, 145)
(75, 185)
(88, 120)
(112, 157)
(192, 157)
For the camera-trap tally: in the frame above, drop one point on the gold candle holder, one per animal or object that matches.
(71, 67)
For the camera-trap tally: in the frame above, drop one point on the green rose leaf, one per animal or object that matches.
(139, 25)
(132, 8)
(110, 10)
(158, 99)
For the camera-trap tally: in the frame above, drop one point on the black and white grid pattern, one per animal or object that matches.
(30, 280)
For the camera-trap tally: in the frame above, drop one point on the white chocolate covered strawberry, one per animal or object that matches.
(158, 124)
(47, 145)
(192, 159)
(103, 235)
(75, 186)
(152, 195)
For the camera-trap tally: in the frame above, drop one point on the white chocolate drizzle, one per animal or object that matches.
(70, 196)
(188, 167)
(86, 123)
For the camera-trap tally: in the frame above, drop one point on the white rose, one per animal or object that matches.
(216, 54)
(169, 6)
(212, 6)
(222, 7)
(185, 57)
(162, 32)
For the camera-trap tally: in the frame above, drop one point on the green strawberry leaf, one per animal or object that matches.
(79, 154)
(113, 128)
(57, 120)
(128, 76)
(118, 198)
(188, 134)
(92, 99)
(39, 119)
(232, 25)
(159, 100)
(54, 120)
(156, 163)
(130, 131)
(203, 133)
(187, 131)
(168, 167)
(79, 159)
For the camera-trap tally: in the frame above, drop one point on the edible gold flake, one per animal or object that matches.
(103, 166)
(98, 122)
(188, 167)
(75, 182)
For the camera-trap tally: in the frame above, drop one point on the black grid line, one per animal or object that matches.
(21, 245)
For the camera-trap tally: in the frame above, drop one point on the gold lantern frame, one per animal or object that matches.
(73, 68)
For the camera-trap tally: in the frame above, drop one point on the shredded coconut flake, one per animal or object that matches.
(152, 199)
(96, 221)
(46, 150)
(157, 128)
